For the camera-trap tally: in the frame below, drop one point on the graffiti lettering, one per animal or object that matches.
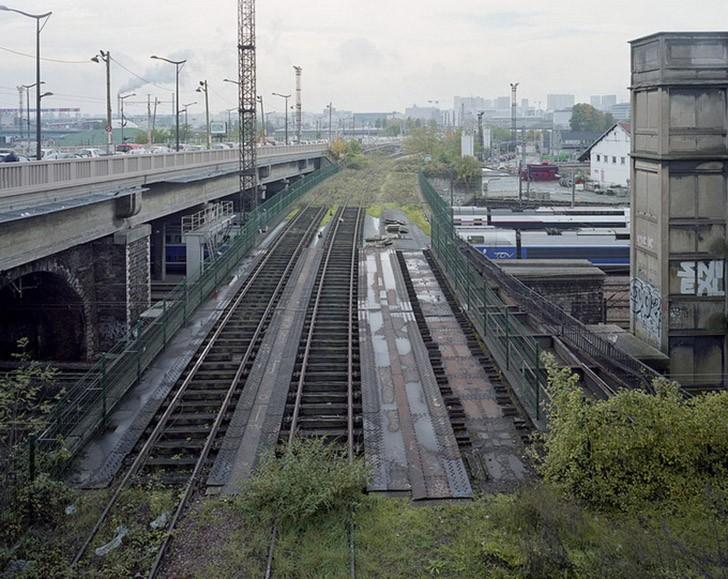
(646, 305)
(702, 278)
(646, 242)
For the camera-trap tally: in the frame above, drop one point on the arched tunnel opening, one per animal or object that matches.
(43, 308)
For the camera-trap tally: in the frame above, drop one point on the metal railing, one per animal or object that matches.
(627, 370)
(509, 341)
(212, 214)
(86, 405)
(19, 178)
(619, 368)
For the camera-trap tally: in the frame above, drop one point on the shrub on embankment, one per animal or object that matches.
(635, 449)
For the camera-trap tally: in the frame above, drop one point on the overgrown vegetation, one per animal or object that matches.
(386, 184)
(349, 153)
(536, 532)
(598, 513)
(635, 449)
(309, 480)
(440, 155)
(27, 493)
(308, 493)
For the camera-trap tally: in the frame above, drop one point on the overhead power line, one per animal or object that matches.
(47, 59)
(140, 77)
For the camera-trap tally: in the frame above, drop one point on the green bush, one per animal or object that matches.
(309, 479)
(635, 448)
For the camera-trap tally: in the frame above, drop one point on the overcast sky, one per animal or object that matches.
(365, 55)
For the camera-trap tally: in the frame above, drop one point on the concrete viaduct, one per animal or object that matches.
(82, 240)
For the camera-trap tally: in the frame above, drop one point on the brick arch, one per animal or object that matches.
(58, 271)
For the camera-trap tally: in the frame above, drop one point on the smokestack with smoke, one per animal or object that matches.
(162, 73)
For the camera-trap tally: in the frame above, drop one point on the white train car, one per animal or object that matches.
(544, 218)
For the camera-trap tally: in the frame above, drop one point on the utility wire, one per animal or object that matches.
(138, 76)
(47, 59)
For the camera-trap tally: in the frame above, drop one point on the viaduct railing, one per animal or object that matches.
(86, 405)
(19, 178)
(509, 340)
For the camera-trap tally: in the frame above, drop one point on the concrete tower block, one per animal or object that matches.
(679, 200)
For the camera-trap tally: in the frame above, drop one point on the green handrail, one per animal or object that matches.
(508, 339)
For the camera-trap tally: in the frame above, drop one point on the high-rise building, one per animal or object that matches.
(468, 107)
(503, 103)
(596, 101)
(621, 111)
(556, 102)
(608, 101)
(423, 113)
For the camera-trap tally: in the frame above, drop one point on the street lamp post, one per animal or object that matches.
(236, 83)
(330, 106)
(27, 88)
(285, 97)
(123, 120)
(259, 98)
(184, 110)
(203, 89)
(230, 120)
(105, 57)
(178, 64)
(38, 30)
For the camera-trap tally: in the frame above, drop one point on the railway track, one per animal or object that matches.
(324, 399)
(182, 440)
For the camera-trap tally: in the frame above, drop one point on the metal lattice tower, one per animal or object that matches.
(248, 104)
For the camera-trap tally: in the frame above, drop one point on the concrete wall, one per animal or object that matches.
(680, 192)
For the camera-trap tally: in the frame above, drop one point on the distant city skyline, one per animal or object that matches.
(372, 56)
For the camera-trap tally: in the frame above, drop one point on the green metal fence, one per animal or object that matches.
(86, 405)
(499, 325)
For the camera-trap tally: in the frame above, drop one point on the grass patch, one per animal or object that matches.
(295, 211)
(136, 508)
(329, 216)
(307, 493)
(534, 533)
(47, 547)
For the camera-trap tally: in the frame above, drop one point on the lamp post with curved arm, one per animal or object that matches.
(105, 56)
(178, 66)
(38, 30)
(123, 119)
(285, 97)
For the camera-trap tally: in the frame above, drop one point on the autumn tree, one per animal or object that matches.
(586, 118)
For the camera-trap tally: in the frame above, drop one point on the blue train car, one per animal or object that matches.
(602, 247)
